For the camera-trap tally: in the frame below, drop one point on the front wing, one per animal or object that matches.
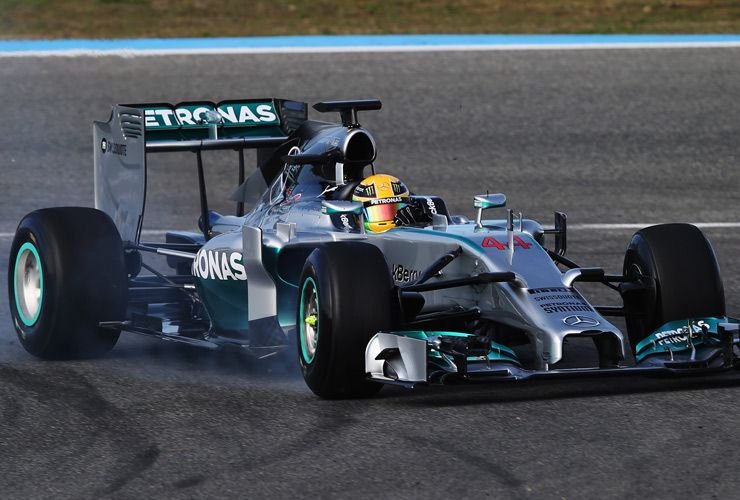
(412, 358)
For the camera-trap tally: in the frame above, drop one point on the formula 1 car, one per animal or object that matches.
(448, 301)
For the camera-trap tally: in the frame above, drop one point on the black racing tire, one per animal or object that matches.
(66, 274)
(353, 301)
(678, 275)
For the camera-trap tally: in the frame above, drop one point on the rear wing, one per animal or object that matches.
(121, 144)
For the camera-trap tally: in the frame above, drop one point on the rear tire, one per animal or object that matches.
(345, 296)
(680, 278)
(66, 274)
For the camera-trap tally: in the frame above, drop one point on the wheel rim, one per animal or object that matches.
(309, 320)
(634, 270)
(28, 284)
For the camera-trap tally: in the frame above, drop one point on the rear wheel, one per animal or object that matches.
(678, 278)
(345, 297)
(66, 274)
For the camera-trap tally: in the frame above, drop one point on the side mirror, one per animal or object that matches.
(344, 207)
(341, 207)
(486, 201)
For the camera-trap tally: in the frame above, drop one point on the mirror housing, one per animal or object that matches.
(341, 207)
(486, 201)
(344, 207)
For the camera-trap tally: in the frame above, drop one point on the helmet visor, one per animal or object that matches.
(380, 213)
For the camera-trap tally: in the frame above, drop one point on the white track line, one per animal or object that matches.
(364, 48)
(576, 227)
(146, 232)
(635, 226)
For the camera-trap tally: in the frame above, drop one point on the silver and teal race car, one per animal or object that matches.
(448, 300)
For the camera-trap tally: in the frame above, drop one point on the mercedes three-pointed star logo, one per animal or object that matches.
(580, 321)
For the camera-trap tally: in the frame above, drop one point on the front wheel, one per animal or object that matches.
(66, 274)
(345, 296)
(677, 278)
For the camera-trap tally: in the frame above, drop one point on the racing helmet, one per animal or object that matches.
(382, 196)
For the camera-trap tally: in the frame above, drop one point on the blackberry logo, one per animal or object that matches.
(403, 275)
(432, 206)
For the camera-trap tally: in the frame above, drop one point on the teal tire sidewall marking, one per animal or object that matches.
(30, 247)
(302, 327)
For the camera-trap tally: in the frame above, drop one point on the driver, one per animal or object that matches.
(388, 204)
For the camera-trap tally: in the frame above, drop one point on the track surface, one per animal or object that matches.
(607, 136)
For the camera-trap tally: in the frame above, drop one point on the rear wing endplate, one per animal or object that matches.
(121, 144)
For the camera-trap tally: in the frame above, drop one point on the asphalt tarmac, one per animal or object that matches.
(628, 136)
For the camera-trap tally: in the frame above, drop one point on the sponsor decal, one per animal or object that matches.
(219, 264)
(559, 300)
(581, 321)
(384, 201)
(560, 307)
(195, 115)
(113, 148)
(404, 275)
(490, 242)
(365, 190)
(678, 335)
(398, 187)
(332, 141)
(534, 291)
(117, 149)
(343, 221)
(553, 297)
(432, 207)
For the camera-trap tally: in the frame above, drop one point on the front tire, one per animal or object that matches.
(345, 296)
(66, 274)
(677, 275)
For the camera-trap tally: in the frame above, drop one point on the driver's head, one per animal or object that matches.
(382, 195)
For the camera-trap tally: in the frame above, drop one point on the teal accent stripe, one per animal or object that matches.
(302, 325)
(30, 247)
(498, 352)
